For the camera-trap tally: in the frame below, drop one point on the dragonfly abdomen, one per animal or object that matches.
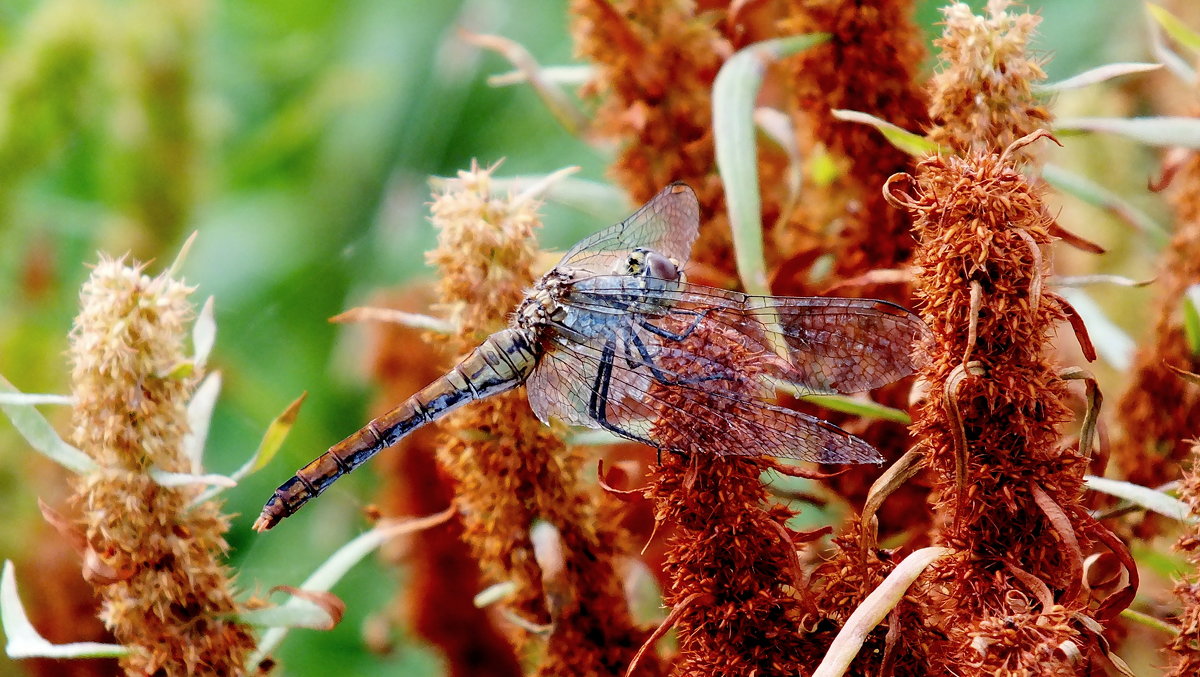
(500, 363)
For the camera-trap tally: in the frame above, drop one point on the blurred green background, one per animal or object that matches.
(296, 137)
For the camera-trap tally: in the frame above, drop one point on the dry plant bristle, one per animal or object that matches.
(152, 555)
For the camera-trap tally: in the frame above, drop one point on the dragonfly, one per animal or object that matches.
(615, 338)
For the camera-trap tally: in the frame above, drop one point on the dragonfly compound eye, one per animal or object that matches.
(661, 267)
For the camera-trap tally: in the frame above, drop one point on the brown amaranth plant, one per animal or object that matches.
(655, 65)
(510, 470)
(869, 65)
(1184, 648)
(1008, 489)
(982, 98)
(153, 556)
(736, 587)
(1159, 410)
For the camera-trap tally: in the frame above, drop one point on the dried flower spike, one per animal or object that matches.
(152, 555)
(509, 469)
(1008, 492)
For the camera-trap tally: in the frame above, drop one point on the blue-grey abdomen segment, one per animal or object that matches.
(503, 361)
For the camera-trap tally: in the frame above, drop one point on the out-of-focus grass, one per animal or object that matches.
(317, 126)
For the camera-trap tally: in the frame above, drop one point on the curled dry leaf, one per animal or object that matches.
(1061, 523)
(328, 602)
(65, 527)
(98, 572)
(606, 481)
(1080, 329)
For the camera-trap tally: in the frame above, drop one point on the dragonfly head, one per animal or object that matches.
(649, 263)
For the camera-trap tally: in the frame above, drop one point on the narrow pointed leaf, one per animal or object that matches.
(735, 92)
(1099, 74)
(199, 417)
(24, 640)
(1166, 131)
(33, 399)
(1150, 499)
(274, 438)
(165, 478)
(1158, 46)
(40, 435)
(204, 334)
(909, 142)
(393, 316)
(573, 76)
(1097, 195)
(340, 562)
(845, 647)
(1175, 28)
(859, 406)
(1191, 317)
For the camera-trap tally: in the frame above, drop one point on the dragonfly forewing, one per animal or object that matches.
(502, 362)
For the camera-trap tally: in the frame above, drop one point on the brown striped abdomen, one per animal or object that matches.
(503, 361)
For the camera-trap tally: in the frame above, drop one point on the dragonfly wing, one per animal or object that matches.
(667, 224)
(826, 344)
(678, 400)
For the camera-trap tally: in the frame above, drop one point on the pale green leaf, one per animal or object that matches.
(1145, 497)
(735, 92)
(204, 334)
(199, 417)
(1174, 63)
(270, 444)
(334, 568)
(297, 612)
(859, 406)
(1175, 28)
(40, 435)
(24, 640)
(909, 142)
(33, 399)
(1099, 196)
(277, 432)
(1097, 75)
(1191, 317)
(1166, 131)
(166, 478)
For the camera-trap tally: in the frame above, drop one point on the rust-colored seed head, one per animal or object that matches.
(509, 469)
(655, 63)
(153, 557)
(1008, 492)
(868, 65)
(731, 561)
(982, 97)
(1159, 410)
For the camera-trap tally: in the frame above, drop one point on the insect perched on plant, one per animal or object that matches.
(614, 338)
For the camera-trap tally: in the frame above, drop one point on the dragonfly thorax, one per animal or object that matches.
(541, 303)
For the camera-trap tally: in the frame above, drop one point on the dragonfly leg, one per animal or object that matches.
(670, 335)
(598, 401)
(662, 377)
